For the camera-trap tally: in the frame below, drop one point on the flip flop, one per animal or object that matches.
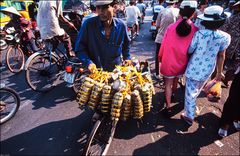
(187, 120)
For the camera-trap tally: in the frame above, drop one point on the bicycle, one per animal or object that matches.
(14, 57)
(9, 103)
(45, 68)
(101, 135)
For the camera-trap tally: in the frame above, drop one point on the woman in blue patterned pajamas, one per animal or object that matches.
(208, 51)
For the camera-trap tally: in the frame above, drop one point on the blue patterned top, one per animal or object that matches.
(205, 46)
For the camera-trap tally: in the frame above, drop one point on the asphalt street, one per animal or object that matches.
(53, 124)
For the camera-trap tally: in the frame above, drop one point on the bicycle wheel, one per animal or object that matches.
(9, 103)
(42, 72)
(100, 137)
(15, 59)
(77, 82)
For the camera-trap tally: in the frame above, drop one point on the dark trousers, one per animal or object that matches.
(65, 39)
(158, 45)
(29, 47)
(231, 109)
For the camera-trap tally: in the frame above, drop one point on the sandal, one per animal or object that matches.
(187, 120)
(222, 133)
(167, 112)
(237, 125)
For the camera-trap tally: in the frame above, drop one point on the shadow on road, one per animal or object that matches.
(57, 95)
(150, 122)
(66, 137)
(175, 143)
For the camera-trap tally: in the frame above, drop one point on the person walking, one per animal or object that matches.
(202, 5)
(142, 7)
(132, 14)
(33, 10)
(232, 60)
(173, 53)
(208, 51)
(231, 109)
(103, 40)
(92, 14)
(165, 17)
(49, 13)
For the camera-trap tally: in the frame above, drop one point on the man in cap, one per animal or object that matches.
(165, 18)
(103, 39)
(49, 12)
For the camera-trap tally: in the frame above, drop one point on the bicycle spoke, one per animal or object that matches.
(42, 73)
(15, 59)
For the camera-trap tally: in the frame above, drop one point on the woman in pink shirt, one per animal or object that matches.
(173, 53)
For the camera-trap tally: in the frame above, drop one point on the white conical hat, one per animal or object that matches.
(11, 10)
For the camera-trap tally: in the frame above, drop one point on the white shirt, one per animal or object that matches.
(47, 19)
(132, 13)
(165, 17)
(205, 46)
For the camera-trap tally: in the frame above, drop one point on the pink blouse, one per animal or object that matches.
(173, 51)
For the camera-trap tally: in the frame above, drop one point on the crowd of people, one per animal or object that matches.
(192, 40)
(201, 36)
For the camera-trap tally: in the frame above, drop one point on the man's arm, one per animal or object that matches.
(126, 46)
(63, 19)
(81, 45)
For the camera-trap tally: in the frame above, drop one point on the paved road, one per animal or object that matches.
(53, 124)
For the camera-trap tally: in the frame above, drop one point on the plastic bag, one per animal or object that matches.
(213, 90)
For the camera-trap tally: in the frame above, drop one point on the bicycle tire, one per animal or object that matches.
(15, 59)
(45, 67)
(4, 102)
(100, 137)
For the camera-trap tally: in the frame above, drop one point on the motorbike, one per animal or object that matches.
(153, 29)
(132, 30)
(73, 73)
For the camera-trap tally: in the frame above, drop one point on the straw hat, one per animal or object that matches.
(191, 4)
(213, 13)
(11, 10)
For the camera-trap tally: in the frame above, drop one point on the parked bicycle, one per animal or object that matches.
(45, 68)
(9, 103)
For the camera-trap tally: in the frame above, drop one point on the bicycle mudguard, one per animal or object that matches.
(34, 55)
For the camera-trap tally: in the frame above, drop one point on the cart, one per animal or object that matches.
(103, 129)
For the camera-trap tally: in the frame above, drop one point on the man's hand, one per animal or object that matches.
(92, 67)
(72, 26)
(127, 62)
